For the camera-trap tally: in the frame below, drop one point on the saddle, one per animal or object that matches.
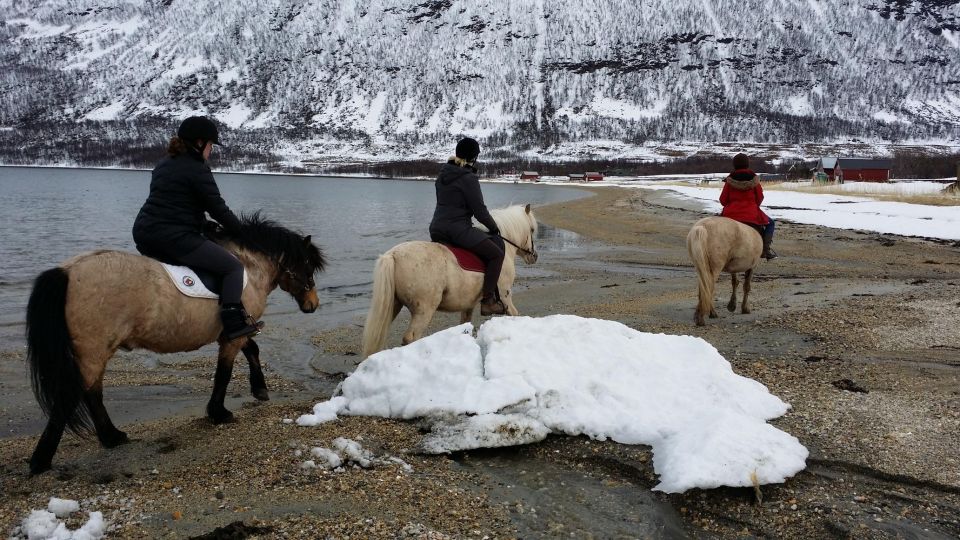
(467, 259)
(196, 282)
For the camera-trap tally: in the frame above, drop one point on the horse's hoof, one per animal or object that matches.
(261, 394)
(713, 315)
(117, 439)
(745, 311)
(221, 417)
(39, 467)
(731, 307)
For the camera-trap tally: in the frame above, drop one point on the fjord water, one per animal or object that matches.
(51, 214)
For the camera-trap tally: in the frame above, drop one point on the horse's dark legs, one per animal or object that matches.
(744, 308)
(215, 409)
(732, 305)
(107, 433)
(42, 458)
(258, 385)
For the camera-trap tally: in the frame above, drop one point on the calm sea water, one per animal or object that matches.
(49, 215)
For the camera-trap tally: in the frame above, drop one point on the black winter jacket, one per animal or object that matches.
(458, 200)
(171, 220)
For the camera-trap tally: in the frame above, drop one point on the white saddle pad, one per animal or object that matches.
(189, 284)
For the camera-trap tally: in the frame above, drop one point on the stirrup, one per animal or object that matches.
(496, 307)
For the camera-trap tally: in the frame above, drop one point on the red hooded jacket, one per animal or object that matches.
(741, 198)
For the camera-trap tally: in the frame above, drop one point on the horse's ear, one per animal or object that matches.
(306, 241)
(527, 208)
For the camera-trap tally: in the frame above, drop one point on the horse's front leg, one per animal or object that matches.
(258, 384)
(732, 305)
(215, 409)
(744, 308)
(508, 302)
(466, 315)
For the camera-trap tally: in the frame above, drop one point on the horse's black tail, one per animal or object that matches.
(54, 374)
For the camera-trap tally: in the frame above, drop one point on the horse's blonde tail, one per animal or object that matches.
(382, 306)
(697, 248)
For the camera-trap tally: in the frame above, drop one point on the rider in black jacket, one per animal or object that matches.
(170, 223)
(458, 200)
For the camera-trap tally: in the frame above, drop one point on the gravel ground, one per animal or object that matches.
(858, 331)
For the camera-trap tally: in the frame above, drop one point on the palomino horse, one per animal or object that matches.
(81, 312)
(719, 244)
(425, 277)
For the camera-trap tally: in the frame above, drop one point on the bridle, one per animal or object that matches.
(305, 285)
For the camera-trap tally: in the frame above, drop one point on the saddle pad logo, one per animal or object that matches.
(188, 281)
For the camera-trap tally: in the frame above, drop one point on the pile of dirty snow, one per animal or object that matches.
(523, 378)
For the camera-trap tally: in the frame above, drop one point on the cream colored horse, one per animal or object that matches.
(719, 244)
(425, 277)
(81, 312)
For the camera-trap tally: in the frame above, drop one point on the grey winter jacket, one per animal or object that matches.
(458, 200)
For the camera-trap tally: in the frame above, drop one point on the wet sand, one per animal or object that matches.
(858, 331)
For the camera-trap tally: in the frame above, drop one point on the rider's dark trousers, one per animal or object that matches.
(212, 257)
(491, 252)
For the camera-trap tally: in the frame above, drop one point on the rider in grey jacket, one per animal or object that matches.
(458, 201)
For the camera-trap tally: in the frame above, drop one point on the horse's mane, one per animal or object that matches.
(513, 221)
(267, 237)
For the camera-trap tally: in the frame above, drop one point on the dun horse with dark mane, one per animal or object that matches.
(81, 312)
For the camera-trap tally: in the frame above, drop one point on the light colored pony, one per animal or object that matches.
(719, 244)
(81, 312)
(425, 277)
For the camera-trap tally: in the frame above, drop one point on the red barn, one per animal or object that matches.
(593, 176)
(531, 176)
(843, 169)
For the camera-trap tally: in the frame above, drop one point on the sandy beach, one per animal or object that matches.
(857, 331)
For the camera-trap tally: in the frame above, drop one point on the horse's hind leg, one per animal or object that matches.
(215, 409)
(42, 458)
(107, 433)
(744, 308)
(420, 315)
(732, 305)
(258, 384)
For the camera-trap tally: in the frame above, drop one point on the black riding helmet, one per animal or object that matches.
(199, 127)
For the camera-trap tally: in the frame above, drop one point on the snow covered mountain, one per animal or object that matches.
(392, 74)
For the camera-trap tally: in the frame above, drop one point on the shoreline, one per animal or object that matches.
(838, 305)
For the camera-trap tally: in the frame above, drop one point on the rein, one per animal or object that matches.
(532, 251)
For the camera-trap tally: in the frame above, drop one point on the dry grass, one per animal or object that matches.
(930, 199)
(881, 193)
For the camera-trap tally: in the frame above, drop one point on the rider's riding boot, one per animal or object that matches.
(768, 252)
(491, 305)
(237, 323)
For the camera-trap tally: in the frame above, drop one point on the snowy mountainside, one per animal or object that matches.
(516, 74)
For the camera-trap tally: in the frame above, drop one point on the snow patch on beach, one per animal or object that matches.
(345, 453)
(522, 378)
(48, 524)
(844, 211)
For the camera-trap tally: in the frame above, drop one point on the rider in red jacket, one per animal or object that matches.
(741, 198)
